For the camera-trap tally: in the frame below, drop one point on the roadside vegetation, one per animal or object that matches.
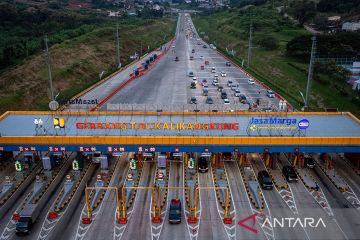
(79, 53)
(276, 42)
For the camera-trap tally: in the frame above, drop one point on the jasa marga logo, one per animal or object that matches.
(273, 121)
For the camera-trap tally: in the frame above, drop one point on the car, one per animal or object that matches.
(204, 46)
(242, 98)
(223, 74)
(201, 57)
(309, 161)
(213, 70)
(226, 101)
(176, 59)
(289, 174)
(198, 43)
(223, 95)
(215, 82)
(229, 83)
(198, 39)
(237, 93)
(193, 100)
(267, 109)
(270, 93)
(193, 85)
(175, 211)
(251, 81)
(203, 165)
(173, 46)
(234, 86)
(193, 51)
(220, 88)
(207, 62)
(204, 81)
(191, 57)
(205, 91)
(216, 77)
(228, 64)
(191, 74)
(194, 79)
(265, 180)
(209, 100)
(202, 67)
(205, 86)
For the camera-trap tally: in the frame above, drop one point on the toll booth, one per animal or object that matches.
(4, 155)
(96, 156)
(29, 158)
(175, 155)
(149, 156)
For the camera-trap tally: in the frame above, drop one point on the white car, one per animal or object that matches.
(234, 86)
(251, 81)
(194, 79)
(201, 57)
(216, 77)
(215, 83)
(226, 101)
(223, 74)
(237, 93)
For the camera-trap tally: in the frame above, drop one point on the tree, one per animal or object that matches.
(303, 10)
(268, 42)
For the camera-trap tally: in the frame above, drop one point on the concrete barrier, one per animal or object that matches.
(19, 191)
(68, 214)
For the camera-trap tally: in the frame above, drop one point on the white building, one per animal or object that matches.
(351, 26)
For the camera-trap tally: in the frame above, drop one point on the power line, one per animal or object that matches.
(48, 62)
(311, 68)
(250, 42)
(118, 45)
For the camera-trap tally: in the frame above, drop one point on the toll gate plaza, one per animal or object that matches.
(180, 131)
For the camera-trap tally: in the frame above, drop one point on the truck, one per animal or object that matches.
(28, 216)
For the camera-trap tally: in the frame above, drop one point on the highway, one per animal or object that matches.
(167, 83)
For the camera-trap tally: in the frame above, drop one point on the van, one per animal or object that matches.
(175, 211)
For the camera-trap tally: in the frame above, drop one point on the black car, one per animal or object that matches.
(223, 95)
(309, 161)
(193, 51)
(289, 174)
(265, 180)
(204, 46)
(209, 100)
(242, 98)
(228, 64)
(193, 85)
(193, 100)
(203, 164)
(191, 57)
(220, 88)
(176, 59)
(175, 211)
